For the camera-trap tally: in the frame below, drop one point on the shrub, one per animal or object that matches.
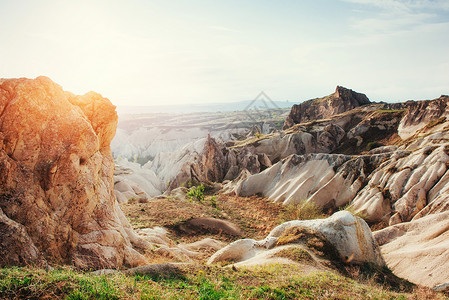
(196, 193)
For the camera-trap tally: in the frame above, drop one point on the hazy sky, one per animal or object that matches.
(146, 52)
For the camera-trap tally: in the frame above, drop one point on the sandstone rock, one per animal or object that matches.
(133, 181)
(16, 247)
(423, 113)
(418, 250)
(329, 180)
(204, 244)
(321, 108)
(56, 185)
(407, 185)
(342, 234)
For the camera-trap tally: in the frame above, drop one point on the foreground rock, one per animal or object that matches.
(418, 250)
(57, 201)
(341, 238)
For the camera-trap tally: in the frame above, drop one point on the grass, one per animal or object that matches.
(198, 282)
(295, 253)
(302, 211)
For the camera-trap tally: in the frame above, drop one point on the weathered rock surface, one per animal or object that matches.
(412, 183)
(341, 237)
(423, 113)
(56, 186)
(322, 108)
(132, 181)
(329, 180)
(418, 250)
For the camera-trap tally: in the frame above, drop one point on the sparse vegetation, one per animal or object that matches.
(197, 282)
(351, 209)
(305, 210)
(295, 253)
(196, 193)
(258, 135)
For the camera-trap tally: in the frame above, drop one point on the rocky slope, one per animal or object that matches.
(402, 185)
(57, 201)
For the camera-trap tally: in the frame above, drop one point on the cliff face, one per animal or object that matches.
(420, 114)
(341, 100)
(57, 199)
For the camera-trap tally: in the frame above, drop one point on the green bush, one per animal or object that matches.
(196, 193)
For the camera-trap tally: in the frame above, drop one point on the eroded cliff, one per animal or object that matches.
(57, 200)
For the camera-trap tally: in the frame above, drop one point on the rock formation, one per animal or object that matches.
(322, 108)
(340, 238)
(57, 200)
(423, 113)
(418, 250)
(131, 180)
(403, 185)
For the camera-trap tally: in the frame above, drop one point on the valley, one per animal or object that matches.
(338, 197)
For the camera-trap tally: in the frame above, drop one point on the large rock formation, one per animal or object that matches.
(340, 238)
(403, 185)
(423, 113)
(131, 180)
(341, 100)
(57, 201)
(328, 180)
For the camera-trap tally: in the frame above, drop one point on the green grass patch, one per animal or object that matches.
(198, 282)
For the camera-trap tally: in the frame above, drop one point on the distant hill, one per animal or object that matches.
(206, 107)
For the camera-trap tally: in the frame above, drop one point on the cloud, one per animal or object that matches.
(405, 5)
(392, 16)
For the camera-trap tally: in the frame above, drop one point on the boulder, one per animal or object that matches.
(56, 179)
(341, 238)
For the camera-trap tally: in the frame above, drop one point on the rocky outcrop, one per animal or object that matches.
(411, 184)
(341, 238)
(420, 114)
(403, 186)
(57, 199)
(328, 180)
(340, 101)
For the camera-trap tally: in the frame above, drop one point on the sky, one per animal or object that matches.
(151, 52)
